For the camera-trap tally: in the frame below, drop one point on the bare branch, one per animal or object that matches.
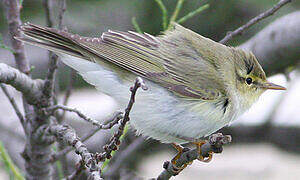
(68, 135)
(80, 114)
(214, 144)
(68, 93)
(277, 45)
(69, 87)
(253, 21)
(13, 19)
(50, 77)
(30, 88)
(49, 21)
(110, 123)
(62, 10)
(114, 142)
(13, 103)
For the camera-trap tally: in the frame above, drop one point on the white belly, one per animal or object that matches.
(157, 113)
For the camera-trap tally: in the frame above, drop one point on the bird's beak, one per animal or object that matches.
(269, 85)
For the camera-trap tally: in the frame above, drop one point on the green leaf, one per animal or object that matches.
(176, 11)
(136, 25)
(9, 164)
(193, 13)
(164, 13)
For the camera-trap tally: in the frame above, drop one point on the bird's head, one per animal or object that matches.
(251, 79)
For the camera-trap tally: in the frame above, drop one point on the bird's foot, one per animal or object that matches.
(200, 157)
(180, 150)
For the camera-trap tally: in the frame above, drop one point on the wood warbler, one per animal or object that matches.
(196, 85)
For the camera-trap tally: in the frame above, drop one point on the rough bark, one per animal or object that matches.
(36, 153)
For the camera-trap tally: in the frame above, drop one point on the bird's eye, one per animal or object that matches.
(249, 80)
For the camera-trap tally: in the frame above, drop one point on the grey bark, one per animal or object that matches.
(36, 152)
(31, 89)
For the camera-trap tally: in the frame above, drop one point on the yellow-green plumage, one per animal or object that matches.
(197, 86)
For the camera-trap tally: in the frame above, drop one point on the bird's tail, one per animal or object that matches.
(129, 50)
(54, 40)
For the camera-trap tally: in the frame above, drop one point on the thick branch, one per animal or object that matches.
(31, 89)
(215, 143)
(253, 21)
(277, 45)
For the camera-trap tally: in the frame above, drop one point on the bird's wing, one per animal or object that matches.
(171, 60)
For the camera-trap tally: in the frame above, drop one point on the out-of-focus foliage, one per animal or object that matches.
(92, 17)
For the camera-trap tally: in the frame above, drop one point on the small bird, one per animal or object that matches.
(196, 85)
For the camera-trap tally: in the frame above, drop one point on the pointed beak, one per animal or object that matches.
(273, 86)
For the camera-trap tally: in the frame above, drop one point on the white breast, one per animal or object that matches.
(157, 113)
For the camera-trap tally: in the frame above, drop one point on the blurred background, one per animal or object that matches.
(266, 140)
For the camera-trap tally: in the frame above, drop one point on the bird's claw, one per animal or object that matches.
(200, 157)
(180, 150)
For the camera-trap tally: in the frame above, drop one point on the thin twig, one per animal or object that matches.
(214, 144)
(107, 161)
(110, 123)
(62, 10)
(13, 103)
(69, 87)
(49, 21)
(114, 142)
(52, 109)
(67, 94)
(253, 21)
(164, 13)
(50, 77)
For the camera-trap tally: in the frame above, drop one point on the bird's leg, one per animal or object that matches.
(201, 158)
(180, 150)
